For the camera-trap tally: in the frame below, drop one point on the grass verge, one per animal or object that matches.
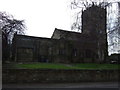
(67, 66)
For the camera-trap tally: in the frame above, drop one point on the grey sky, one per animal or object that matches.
(41, 16)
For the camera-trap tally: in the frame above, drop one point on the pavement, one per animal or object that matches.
(65, 85)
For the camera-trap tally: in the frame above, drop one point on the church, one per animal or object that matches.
(89, 46)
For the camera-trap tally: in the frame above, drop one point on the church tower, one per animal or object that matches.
(94, 25)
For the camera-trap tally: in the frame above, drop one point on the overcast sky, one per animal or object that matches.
(41, 16)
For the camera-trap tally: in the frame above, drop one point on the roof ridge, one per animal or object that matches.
(67, 31)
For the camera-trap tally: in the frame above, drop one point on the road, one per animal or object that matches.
(65, 85)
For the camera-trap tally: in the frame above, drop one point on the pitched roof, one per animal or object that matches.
(69, 35)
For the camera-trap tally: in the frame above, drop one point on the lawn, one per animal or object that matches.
(43, 66)
(67, 66)
(97, 66)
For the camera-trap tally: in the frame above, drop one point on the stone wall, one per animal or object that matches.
(37, 49)
(53, 75)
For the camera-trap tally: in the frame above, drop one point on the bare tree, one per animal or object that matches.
(114, 29)
(9, 27)
(118, 27)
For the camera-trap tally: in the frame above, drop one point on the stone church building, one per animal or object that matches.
(66, 46)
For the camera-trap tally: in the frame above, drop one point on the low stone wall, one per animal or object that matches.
(53, 76)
